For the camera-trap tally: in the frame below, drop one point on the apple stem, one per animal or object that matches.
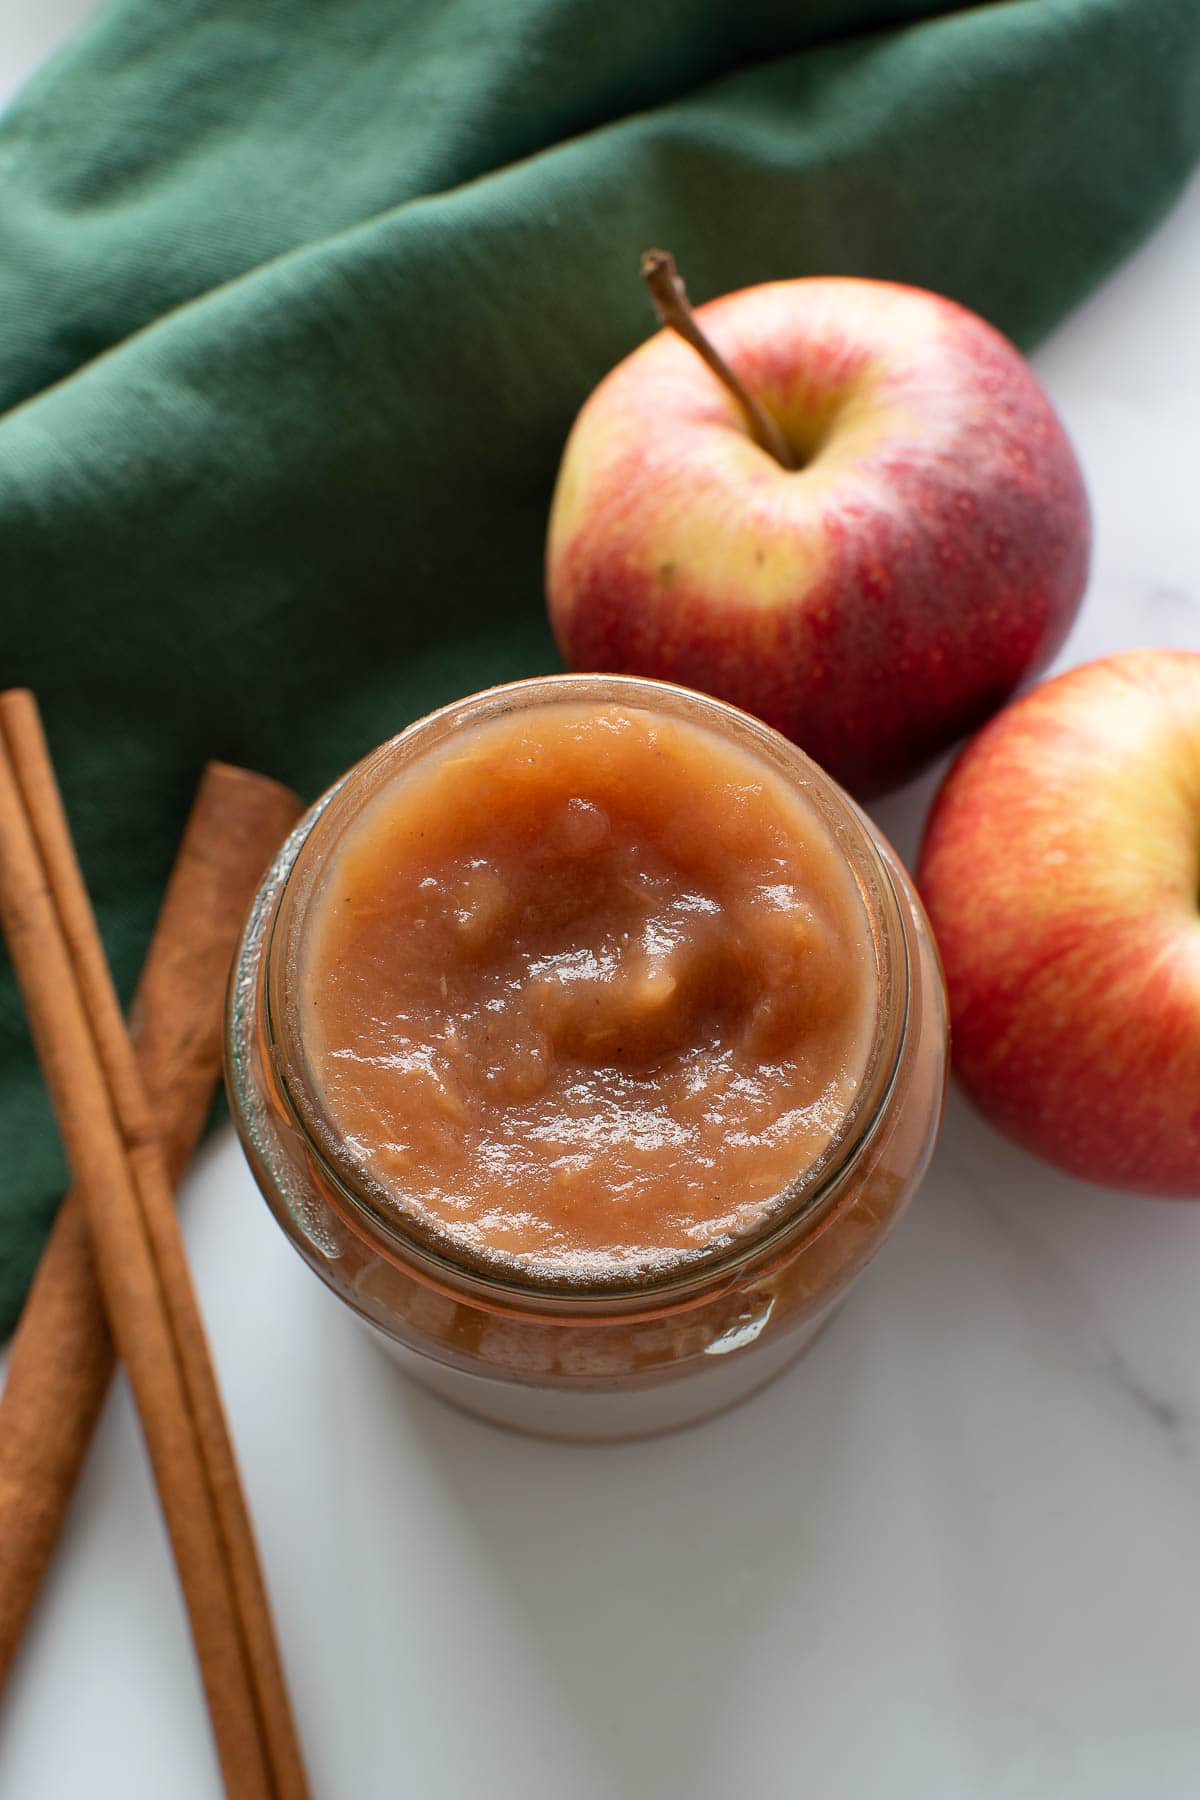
(665, 285)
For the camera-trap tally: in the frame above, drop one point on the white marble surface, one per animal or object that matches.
(954, 1555)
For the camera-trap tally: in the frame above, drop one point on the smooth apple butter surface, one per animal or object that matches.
(586, 990)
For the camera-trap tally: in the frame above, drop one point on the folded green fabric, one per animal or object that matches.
(297, 303)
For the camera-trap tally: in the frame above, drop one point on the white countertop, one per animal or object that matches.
(952, 1555)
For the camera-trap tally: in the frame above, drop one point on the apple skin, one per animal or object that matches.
(874, 604)
(1061, 874)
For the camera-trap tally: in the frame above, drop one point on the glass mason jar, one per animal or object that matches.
(541, 1355)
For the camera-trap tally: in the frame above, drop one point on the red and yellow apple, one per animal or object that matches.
(873, 603)
(1061, 873)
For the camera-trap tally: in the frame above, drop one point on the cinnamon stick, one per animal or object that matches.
(62, 1354)
(111, 1144)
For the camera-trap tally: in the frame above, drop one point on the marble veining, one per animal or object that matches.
(1044, 1270)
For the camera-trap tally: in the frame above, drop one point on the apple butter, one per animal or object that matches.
(586, 989)
(588, 1041)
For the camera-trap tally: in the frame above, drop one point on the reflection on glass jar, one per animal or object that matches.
(587, 1040)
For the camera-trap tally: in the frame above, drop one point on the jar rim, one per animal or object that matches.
(796, 1212)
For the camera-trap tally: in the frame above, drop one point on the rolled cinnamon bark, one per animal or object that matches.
(62, 1353)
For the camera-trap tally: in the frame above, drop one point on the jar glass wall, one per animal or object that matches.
(567, 1357)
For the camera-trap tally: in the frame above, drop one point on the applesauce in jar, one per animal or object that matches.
(585, 991)
(587, 1041)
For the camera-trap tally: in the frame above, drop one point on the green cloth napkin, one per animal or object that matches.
(297, 302)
